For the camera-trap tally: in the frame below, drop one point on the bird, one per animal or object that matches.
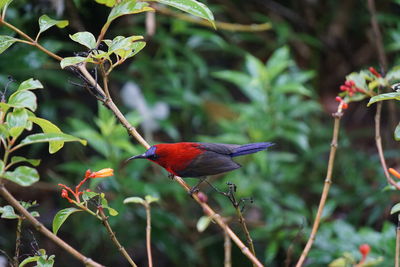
(191, 159)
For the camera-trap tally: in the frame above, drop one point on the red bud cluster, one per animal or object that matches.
(88, 175)
(351, 88)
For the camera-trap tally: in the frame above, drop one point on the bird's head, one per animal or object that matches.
(150, 154)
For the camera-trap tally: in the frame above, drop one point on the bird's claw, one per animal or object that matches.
(193, 190)
(171, 176)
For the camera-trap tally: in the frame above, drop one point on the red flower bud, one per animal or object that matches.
(344, 88)
(364, 250)
(394, 172)
(374, 72)
(102, 173)
(64, 193)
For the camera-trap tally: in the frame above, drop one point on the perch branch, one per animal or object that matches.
(41, 228)
(328, 181)
(114, 238)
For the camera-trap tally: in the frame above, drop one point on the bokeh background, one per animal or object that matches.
(192, 83)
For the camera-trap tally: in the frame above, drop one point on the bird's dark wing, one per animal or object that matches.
(208, 163)
(225, 149)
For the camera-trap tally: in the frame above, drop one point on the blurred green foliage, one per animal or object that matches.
(218, 88)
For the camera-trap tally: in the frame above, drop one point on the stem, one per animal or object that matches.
(327, 185)
(397, 257)
(114, 238)
(18, 241)
(33, 42)
(41, 228)
(148, 234)
(227, 250)
(220, 25)
(245, 230)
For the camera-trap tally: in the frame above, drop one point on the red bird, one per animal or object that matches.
(198, 159)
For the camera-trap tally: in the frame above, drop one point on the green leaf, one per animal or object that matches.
(136, 200)
(45, 261)
(4, 107)
(48, 127)
(52, 137)
(127, 7)
(84, 38)
(397, 132)
(23, 175)
(30, 84)
(203, 223)
(5, 42)
(45, 22)
(3, 3)
(68, 61)
(4, 131)
(149, 199)
(18, 159)
(192, 7)
(17, 121)
(381, 97)
(104, 204)
(395, 208)
(29, 260)
(61, 216)
(109, 3)
(89, 195)
(23, 99)
(7, 212)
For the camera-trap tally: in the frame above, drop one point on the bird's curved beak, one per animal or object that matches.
(141, 156)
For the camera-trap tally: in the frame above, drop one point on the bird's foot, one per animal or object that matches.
(193, 190)
(171, 176)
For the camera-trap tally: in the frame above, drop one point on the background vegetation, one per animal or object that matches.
(192, 83)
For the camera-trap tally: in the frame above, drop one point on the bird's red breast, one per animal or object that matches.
(176, 157)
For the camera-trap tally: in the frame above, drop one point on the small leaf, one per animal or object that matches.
(17, 121)
(35, 214)
(18, 159)
(127, 7)
(192, 7)
(136, 200)
(7, 212)
(381, 97)
(52, 137)
(4, 131)
(149, 199)
(5, 42)
(29, 260)
(109, 3)
(203, 223)
(45, 22)
(23, 99)
(3, 3)
(4, 107)
(68, 61)
(89, 195)
(84, 38)
(61, 216)
(397, 132)
(1, 166)
(23, 175)
(30, 84)
(395, 209)
(112, 211)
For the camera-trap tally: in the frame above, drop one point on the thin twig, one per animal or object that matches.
(18, 241)
(148, 234)
(41, 228)
(227, 250)
(397, 256)
(328, 181)
(114, 238)
(220, 25)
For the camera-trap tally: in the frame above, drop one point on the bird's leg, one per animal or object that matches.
(171, 176)
(195, 188)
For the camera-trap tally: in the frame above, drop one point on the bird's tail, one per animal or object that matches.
(250, 148)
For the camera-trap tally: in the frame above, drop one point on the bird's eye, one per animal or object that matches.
(153, 157)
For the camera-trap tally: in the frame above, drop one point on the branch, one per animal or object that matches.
(220, 25)
(41, 228)
(227, 250)
(327, 185)
(114, 238)
(148, 233)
